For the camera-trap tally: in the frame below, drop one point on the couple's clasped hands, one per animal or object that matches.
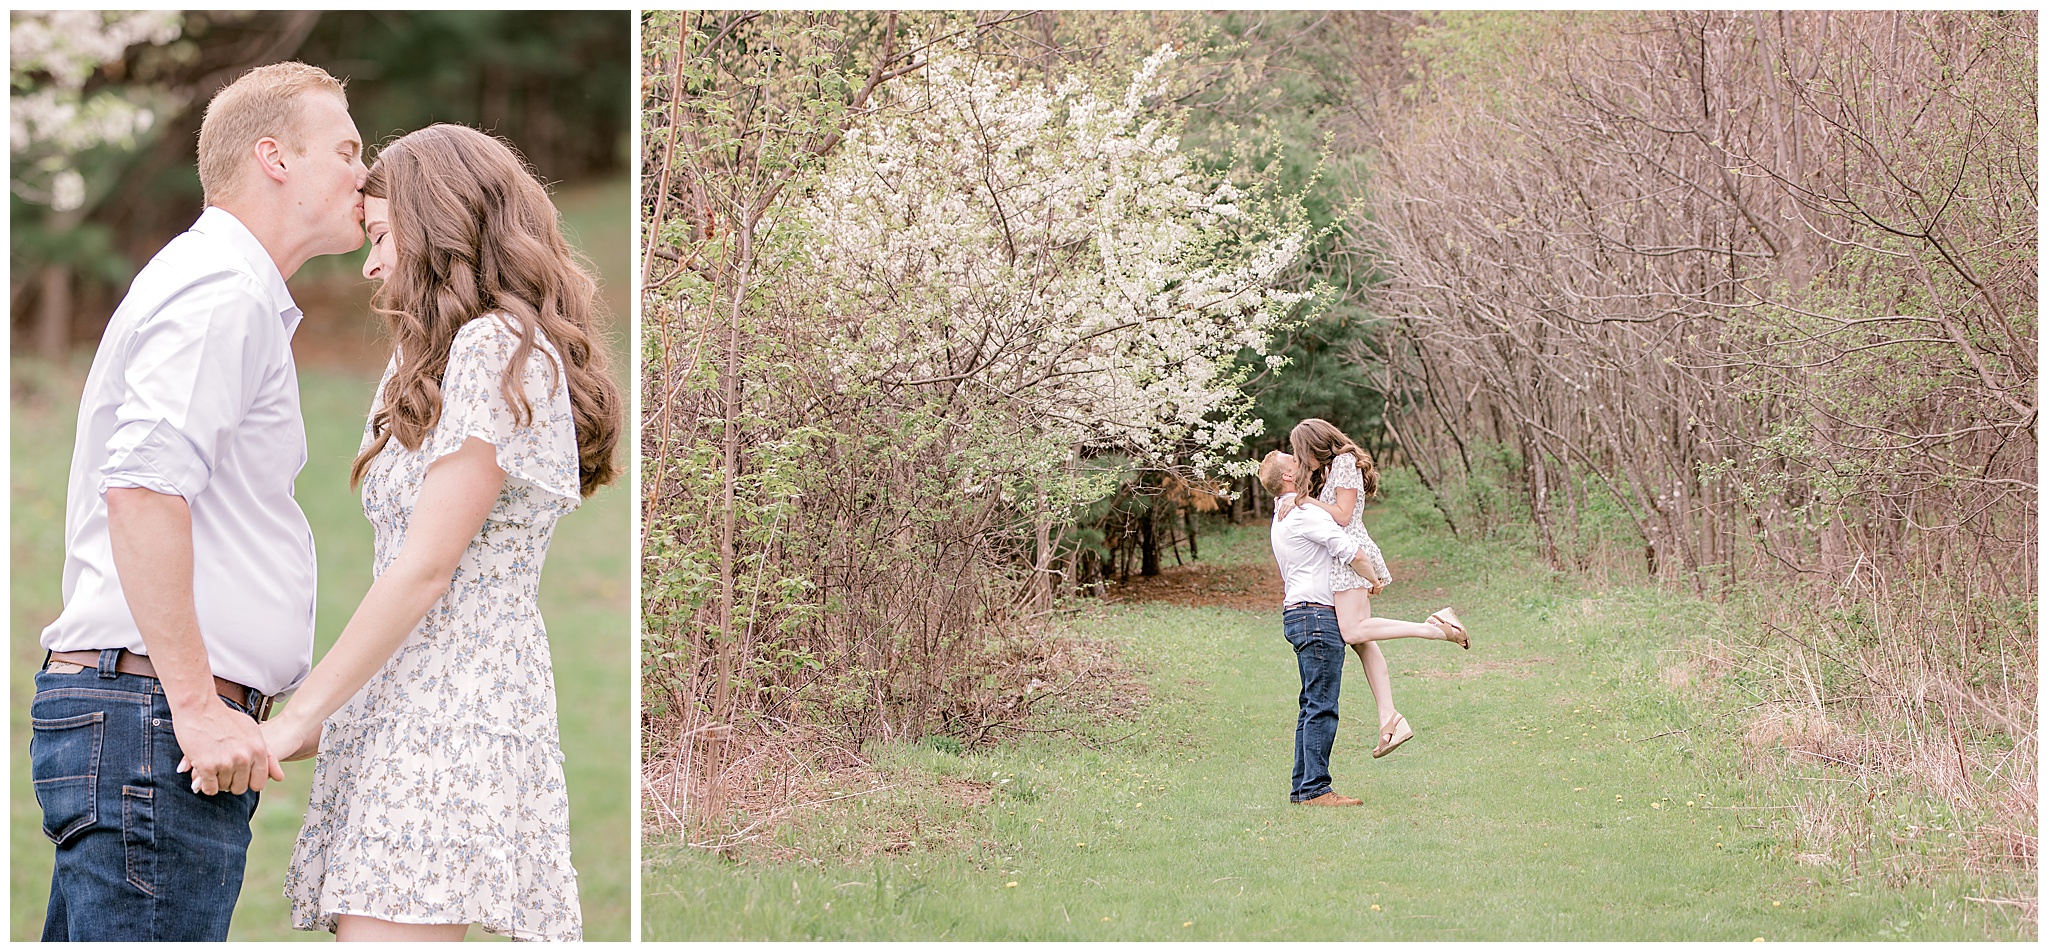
(226, 751)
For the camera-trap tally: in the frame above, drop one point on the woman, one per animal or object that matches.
(438, 799)
(1337, 475)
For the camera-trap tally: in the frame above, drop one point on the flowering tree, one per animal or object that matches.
(1045, 273)
(1049, 265)
(51, 117)
(55, 124)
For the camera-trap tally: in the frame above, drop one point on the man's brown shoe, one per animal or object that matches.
(1330, 799)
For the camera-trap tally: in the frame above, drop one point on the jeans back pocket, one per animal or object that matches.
(64, 760)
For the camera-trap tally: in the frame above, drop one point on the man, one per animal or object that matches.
(188, 566)
(1306, 541)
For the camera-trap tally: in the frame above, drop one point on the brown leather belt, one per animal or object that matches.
(132, 663)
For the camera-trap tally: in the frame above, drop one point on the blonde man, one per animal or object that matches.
(188, 568)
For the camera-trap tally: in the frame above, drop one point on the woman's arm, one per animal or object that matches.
(458, 493)
(1343, 516)
(1347, 500)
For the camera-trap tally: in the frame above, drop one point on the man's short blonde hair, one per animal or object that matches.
(265, 102)
(1272, 469)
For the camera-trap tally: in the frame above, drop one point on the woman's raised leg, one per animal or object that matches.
(1385, 629)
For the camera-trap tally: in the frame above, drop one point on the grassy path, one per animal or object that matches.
(1530, 804)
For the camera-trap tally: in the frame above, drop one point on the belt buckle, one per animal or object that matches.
(261, 708)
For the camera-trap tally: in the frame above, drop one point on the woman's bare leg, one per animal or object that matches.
(1375, 662)
(366, 929)
(1354, 612)
(1368, 628)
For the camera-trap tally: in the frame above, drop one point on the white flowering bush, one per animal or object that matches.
(1049, 268)
(51, 118)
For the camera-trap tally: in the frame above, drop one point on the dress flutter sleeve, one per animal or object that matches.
(541, 450)
(1343, 475)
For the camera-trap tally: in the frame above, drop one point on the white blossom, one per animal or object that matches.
(1052, 261)
(50, 117)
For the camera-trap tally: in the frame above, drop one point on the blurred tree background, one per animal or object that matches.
(105, 112)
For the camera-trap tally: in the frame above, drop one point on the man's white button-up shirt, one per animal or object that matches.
(1308, 543)
(194, 393)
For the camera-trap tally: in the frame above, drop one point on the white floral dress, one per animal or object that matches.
(438, 796)
(1344, 475)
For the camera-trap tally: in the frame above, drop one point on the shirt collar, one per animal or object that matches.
(220, 224)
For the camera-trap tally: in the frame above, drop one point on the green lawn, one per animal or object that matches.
(1533, 803)
(584, 597)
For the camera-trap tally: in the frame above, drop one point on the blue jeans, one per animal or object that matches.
(1319, 651)
(140, 857)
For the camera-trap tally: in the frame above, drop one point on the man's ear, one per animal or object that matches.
(270, 156)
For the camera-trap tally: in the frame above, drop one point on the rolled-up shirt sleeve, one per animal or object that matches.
(193, 370)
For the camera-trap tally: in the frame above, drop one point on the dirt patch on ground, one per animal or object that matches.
(1202, 585)
(1253, 588)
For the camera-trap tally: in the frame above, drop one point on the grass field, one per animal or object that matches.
(584, 597)
(1536, 801)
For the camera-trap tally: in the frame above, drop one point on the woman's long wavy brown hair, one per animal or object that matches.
(475, 233)
(1316, 445)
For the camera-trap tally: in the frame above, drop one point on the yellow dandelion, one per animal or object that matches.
(1775, 903)
(1191, 922)
(1080, 845)
(1105, 918)
(1375, 907)
(1012, 884)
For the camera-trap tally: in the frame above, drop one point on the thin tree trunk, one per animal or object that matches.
(53, 313)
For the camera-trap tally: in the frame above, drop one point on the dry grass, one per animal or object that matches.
(1899, 723)
(811, 793)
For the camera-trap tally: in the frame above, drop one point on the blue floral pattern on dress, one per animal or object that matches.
(438, 796)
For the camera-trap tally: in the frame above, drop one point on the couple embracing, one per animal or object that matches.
(438, 797)
(1330, 568)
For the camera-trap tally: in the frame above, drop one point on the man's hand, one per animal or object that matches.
(151, 535)
(224, 750)
(295, 741)
(1283, 507)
